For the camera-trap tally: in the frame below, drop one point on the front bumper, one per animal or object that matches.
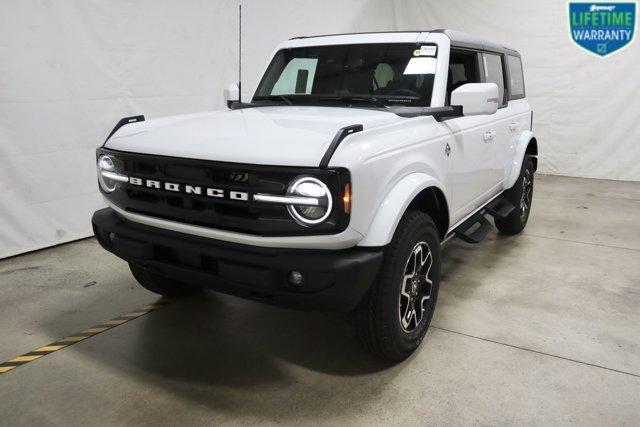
(332, 280)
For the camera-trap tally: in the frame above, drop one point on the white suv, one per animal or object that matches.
(334, 188)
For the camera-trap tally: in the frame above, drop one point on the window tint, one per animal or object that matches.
(493, 73)
(463, 68)
(516, 79)
(392, 73)
(297, 77)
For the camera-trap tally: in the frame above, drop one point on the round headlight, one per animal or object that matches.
(312, 188)
(105, 164)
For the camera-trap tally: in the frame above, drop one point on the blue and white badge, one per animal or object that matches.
(602, 28)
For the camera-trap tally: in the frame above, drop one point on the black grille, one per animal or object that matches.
(223, 213)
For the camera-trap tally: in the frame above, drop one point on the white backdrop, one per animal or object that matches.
(587, 109)
(70, 69)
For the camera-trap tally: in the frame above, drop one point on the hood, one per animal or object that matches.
(270, 135)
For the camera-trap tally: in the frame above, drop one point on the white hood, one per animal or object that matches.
(270, 135)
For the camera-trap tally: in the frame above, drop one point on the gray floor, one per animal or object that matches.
(541, 328)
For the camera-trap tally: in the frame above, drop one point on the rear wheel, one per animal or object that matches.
(159, 284)
(394, 317)
(521, 196)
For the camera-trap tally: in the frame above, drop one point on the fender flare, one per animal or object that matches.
(513, 172)
(394, 205)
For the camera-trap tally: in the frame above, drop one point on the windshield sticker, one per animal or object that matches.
(425, 51)
(602, 28)
(422, 65)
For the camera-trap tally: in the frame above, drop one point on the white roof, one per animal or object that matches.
(458, 38)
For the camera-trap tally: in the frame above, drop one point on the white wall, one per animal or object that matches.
(587, 109)
(70, 69)
(267, 23)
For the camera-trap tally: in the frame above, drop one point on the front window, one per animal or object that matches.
(494, 73)
(376, 75)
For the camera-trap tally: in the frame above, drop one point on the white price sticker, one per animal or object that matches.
(427, 50)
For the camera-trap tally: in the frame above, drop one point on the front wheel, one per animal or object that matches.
(394, 317)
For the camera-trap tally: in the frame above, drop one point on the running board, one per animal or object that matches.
(500, 207)
(478, 223)
(478, 234)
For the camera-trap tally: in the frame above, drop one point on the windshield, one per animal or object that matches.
(376, 75)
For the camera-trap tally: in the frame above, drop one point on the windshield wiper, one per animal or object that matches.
(314, 99)
(355, 99)
(274, 98)
(285, 99)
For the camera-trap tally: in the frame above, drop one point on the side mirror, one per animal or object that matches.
(476, 98)
(231, 94)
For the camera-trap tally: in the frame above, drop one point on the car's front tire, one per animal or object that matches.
(394, 316)
(159, 284)
(521, 196)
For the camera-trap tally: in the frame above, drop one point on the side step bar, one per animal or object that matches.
(476, 228)
(500, 207)
(478, 234)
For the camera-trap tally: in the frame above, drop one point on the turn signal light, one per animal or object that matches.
(346, 199)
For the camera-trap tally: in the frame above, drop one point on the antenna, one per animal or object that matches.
(240, 53)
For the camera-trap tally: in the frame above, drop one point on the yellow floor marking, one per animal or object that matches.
(159, 304)
(137, 313)
(116, 322)
(25, 358)
(72, 339)
(50, 348)
(94, 330)
(76, 338)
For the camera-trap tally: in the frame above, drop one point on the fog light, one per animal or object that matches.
(295, 278)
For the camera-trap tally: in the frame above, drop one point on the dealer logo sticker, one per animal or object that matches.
(602, 28)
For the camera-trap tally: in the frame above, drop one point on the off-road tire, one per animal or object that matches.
(378, 318)
(521, 193)
(159, 284)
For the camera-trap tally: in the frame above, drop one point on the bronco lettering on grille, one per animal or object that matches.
(189, 189)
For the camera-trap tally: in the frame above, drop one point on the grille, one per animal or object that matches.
(223, 213)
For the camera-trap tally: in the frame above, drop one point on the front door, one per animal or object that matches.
(473, 177)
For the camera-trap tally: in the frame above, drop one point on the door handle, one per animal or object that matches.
(513, 126)
(488, 136)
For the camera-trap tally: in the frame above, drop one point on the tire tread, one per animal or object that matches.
(372, 316)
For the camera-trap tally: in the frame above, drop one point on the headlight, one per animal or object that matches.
(309, 214)
(107, 177)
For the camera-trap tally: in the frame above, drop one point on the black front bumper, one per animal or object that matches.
(332, 280)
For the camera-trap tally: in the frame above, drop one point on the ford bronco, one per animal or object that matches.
(335, 186)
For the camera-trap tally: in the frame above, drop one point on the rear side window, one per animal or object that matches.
(494, 73)
(516, 79)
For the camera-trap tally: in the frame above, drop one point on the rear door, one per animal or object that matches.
(498, 123)
(519, 109)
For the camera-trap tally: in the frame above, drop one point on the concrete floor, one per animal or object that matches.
(541, 328)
